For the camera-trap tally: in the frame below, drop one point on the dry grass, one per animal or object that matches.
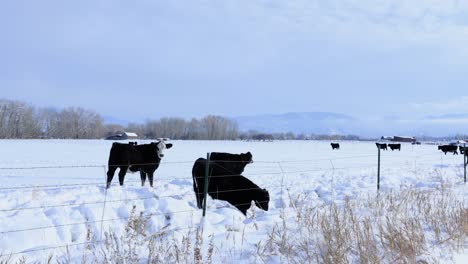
(135, 245)
(408, 226)
(411, 226)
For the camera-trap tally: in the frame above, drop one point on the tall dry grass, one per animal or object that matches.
(409, 226)
(405, 226)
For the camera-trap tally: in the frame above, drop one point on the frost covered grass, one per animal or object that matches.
(137, 245)
(324, 206)
(134, 245)
(408, 226)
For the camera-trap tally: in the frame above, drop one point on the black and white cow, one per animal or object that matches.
(226, 183)
(448, 148)
(394, 146)
(382, 146)
(335, 145)
(143, 158)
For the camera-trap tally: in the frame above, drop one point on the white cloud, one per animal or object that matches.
(453, 105)
(322, 50)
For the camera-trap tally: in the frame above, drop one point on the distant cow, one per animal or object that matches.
(395, 146)
(335, 145)
(226, 183)
(381, 146)
(463, 150)
(448, 148)
(143, 158)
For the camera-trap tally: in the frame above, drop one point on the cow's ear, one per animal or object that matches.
(168, 145)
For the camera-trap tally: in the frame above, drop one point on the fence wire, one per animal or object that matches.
(277, 169)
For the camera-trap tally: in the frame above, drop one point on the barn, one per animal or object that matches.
(122, 136)
(399, 138)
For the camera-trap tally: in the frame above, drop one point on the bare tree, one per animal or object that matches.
(21, 120)
(18, 120)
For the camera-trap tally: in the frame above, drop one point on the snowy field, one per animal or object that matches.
(52, 191)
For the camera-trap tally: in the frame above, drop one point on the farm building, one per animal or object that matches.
(400, 138)
(122, 136)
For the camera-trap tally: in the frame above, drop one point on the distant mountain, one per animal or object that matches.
(447, 116)
(306, 122)
(337, 123)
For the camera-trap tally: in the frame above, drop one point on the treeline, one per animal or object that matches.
(260, 136)
(21, 120)
(207, 128)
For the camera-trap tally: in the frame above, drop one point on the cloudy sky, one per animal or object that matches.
(149, 58)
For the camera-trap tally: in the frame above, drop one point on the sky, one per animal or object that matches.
(133, 60)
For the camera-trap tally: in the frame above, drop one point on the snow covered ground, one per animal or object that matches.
(52, 191)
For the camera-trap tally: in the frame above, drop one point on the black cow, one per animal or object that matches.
(226, 182)
(335, 145)
(395, 146)
(143, 158)
(227, 162)
(381, 146)
(463, 150)
(448, 148)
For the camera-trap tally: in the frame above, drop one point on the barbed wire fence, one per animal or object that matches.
(278, 171)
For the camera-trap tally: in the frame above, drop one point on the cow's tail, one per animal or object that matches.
(196, 176)
(112, 153)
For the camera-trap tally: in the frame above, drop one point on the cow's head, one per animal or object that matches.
(242, 160)
(246, 157)
(162, 145)
(262, 199)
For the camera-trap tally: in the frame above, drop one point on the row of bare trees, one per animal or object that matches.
(22, 120)
(209, 127)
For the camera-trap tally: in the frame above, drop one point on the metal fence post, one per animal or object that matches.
(205, 189)
(378, 169)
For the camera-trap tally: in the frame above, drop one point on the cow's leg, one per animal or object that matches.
(122, 172)
(150, 178)
(195, 190)
(143, 178)
(110, 175)
(200, 185)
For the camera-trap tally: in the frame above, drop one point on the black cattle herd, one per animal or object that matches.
(225, 179)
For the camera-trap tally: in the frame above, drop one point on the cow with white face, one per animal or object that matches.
(133, 157)
(162, 146)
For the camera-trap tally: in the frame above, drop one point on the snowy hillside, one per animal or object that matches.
(53, 191)
(312, 122)
(366, 126)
